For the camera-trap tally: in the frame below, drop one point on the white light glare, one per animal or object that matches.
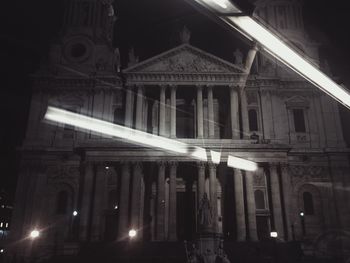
(132, 233)
(243, 164)
(75, 213)
(116, 207)
(2, 250)
(221, 6)
(34, 234)
(215, 157)
(131, 135)
(289, 57)
(221, 3)
(273, 234)
(301, 213)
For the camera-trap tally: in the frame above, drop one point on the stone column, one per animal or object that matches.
(139, 108)
(276, 201)
(211, 112)
(124, 202)
(136, 196)
(162, 105)
(99, 203)
(129, 107)
(200, 181)
(161, 202)
(213, 194)
(239, 198)
(234, 103)
(173, 112)
(287, 186)
(172, 201)
(86, 201)
(267, 114)
(244, 111)
(199, 112)
(253, 236)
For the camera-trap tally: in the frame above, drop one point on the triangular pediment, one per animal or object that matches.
(185, 59)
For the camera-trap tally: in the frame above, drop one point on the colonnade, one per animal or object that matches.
(164, 226)
(237, 98)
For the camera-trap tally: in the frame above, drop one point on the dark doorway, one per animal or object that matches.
(262, 224)
(185, 120)
(111, 224)
(185, 216)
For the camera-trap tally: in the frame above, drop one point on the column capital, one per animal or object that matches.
(212, 166)
(172, 163)
(162, 163)
(163, 86)
(199, 86)
(284, 167)
(273, 165)
(173, 86)
(124, 162)
(137, 165)
(238, 171)
(233, 87)
(201, 165)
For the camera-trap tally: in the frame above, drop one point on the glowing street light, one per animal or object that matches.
(132, 233)
(75, 213)
(273, 234)
(252, 29)
(34, 234)
(301, 214)
(2, 250)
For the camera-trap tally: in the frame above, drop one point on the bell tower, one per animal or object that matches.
(85, 42)
(285, 16)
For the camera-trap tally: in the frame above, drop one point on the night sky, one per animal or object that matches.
(150, 26)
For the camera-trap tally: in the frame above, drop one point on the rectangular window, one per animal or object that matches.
(299, 120)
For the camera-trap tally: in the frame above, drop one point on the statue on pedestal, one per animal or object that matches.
(205, 213)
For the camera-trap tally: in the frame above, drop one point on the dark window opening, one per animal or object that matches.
(299, 120)
(259, 199)
(262, 227)
(62, 203)
(185, 123)
(78, 50)
(308, 203)
(253, 120)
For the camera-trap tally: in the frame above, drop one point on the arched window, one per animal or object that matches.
(253, 120)
(62, 202)
(308, 203)
(259, 199)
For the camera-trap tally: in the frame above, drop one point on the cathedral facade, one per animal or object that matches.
(83, 189)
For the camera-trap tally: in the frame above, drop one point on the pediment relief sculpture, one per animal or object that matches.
(185, 59)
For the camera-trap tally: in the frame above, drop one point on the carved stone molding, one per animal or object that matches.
(63, 173)
(259, 179)
(308, 172)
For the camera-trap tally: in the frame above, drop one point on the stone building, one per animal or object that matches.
(254, 110)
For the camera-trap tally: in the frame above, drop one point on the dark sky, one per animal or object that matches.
(151, 26)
